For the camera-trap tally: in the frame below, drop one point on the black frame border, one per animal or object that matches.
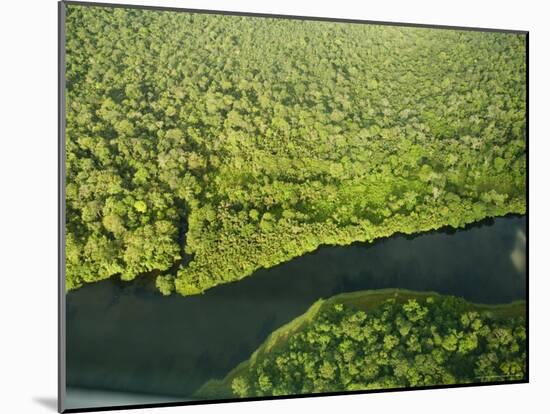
(61, 299)
(61, 100)
(287, 16)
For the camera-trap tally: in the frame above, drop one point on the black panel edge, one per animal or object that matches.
(61, 327)
(286, 397)
(293, 17)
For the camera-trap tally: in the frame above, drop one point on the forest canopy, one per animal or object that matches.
(202, 147)
(409, 340)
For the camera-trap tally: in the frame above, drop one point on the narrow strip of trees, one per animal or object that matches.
(435, 341)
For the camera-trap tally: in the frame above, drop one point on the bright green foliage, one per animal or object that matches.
(165, 284)
(270, 137)
(343, 348)
(140, 206)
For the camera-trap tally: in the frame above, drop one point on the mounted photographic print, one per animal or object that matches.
(257, 207)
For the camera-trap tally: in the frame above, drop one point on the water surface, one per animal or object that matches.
(125, 336)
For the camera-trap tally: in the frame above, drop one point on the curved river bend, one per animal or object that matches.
(128, 337)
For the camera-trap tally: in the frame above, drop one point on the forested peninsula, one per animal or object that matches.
(383, 339)
(202, 147)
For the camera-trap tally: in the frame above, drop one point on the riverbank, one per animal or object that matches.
(185, 341)
(365, 301)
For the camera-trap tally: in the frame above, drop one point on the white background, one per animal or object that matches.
(28, 203)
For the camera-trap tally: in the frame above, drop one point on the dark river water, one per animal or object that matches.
(125, 336)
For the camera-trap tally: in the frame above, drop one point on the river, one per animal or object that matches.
(125, 336)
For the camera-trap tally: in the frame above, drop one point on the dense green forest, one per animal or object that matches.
(203, 147)
(380, 340)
